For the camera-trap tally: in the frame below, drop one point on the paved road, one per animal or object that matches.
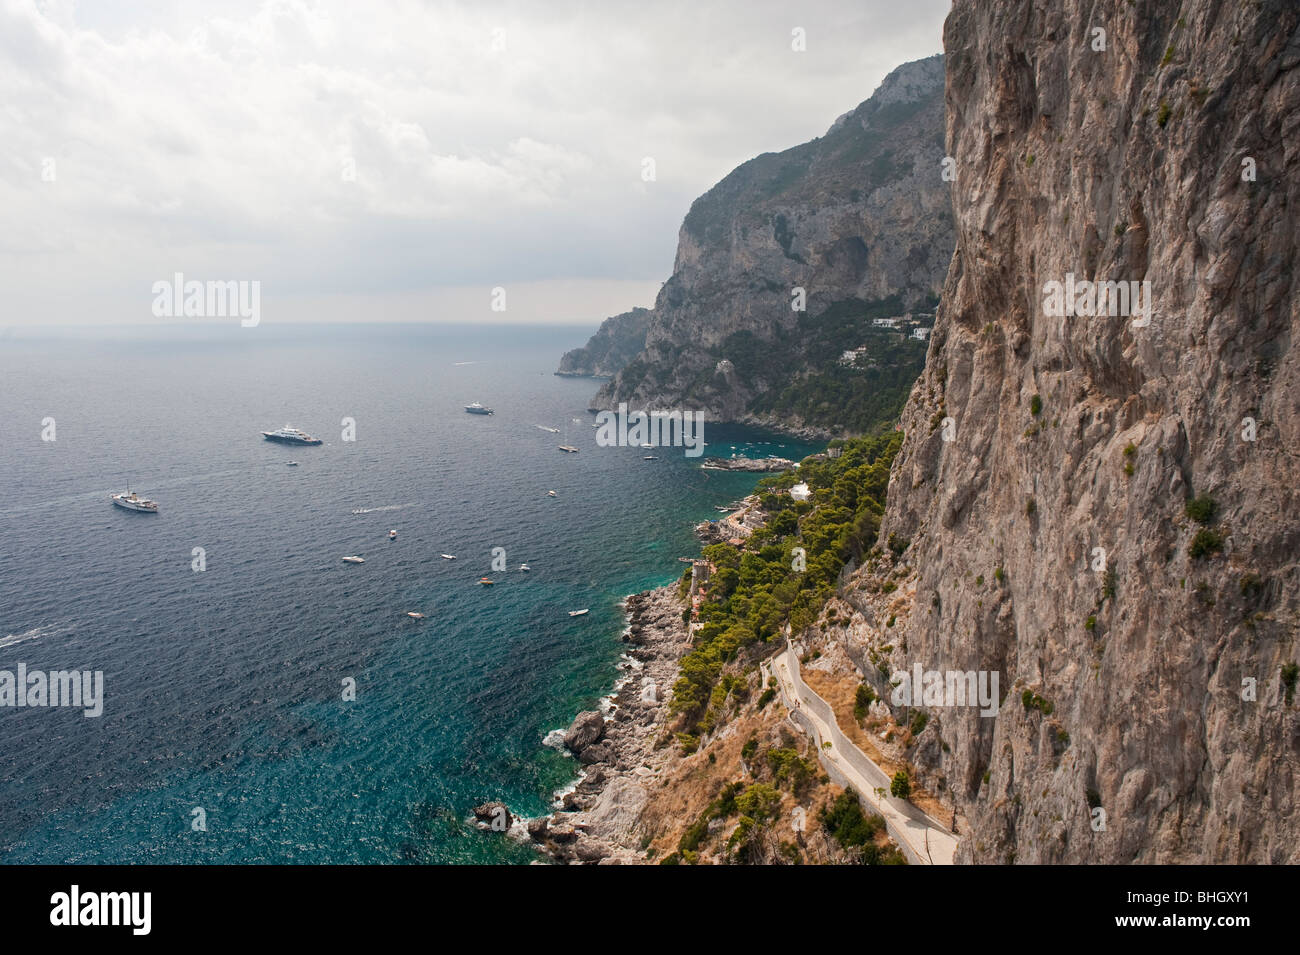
(929, 841)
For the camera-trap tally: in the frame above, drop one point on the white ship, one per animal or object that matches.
(354, 560)
(288, 435)
(477, 408)
(133, 502)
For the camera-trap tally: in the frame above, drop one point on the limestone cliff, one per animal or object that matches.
(618, 340)
(1164, 150)
(858, 218)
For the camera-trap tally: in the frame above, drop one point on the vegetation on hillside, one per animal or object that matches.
(818, 390)
(757, 589)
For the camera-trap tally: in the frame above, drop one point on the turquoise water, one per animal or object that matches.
(224, 686)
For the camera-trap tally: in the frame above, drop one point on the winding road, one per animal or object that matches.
(924, 839)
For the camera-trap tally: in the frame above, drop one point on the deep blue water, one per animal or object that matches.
(224, 687)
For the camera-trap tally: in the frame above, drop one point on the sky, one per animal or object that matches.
(398, 160)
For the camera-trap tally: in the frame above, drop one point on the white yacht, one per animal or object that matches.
(477, 408)
(288, 435)
(133, 502)
(579, 613)
(354, 560)
(525, 568)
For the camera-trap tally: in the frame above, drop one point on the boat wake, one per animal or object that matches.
(376, 510)
(36, 633)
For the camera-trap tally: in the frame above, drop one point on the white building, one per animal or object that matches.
(920, 334)
(884, 323)
(800, 492)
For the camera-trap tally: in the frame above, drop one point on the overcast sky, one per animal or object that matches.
(397, 159)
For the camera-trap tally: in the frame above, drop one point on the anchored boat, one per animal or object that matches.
(133, 502)
(288, 435)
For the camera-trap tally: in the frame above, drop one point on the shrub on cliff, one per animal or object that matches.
(1202, 509)
(1205, 543)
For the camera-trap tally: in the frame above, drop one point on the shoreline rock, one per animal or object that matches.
(596, 822)
(767, 465)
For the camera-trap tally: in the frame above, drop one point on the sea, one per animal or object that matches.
(263, 701)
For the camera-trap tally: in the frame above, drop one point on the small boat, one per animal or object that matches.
(551, 494)
(568, 449)
(292, 464)
(133, 502)
(543, 427)
(650, 457)
(447, 556)
(486, 581)
(477, 408)
(354, 560)
(392, 535)
(579, 613)
(647, 447)
(525, 568)
(414, 615)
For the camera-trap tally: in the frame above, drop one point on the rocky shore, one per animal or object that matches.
(596, 822)
(753, 465)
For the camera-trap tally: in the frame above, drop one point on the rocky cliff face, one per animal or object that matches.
(855, 217)
(618, 340)
(1146, 649)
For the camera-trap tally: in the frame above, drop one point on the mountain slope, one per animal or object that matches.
(618, 340)
(1129, 682)
(859, 219)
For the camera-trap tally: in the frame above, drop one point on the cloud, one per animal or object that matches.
(396, 145)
